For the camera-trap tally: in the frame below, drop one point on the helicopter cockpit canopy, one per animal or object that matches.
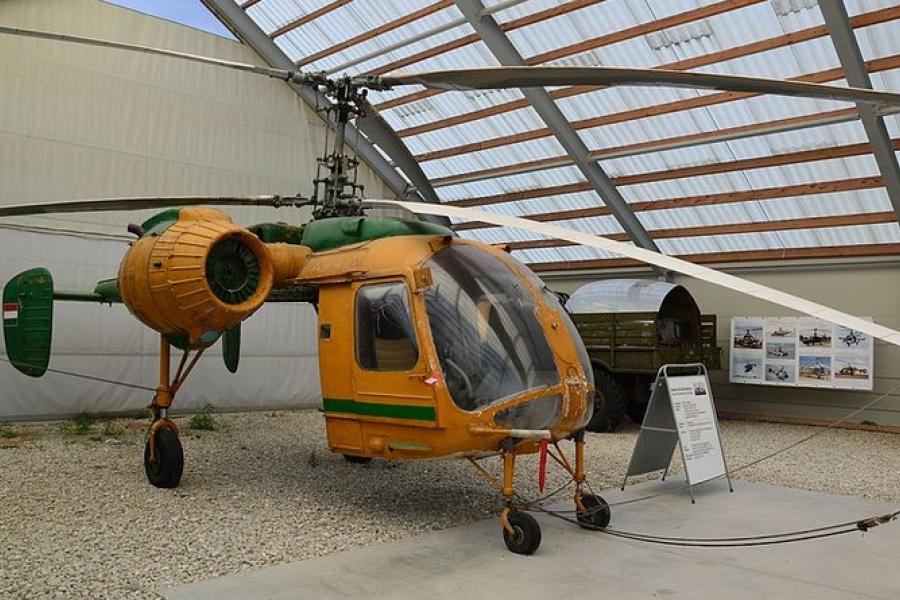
(488, 339)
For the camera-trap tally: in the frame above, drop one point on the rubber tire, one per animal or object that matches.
(528, 534)
(609, 405)
(598, 512)
(166, 470)
(358, 460)
(637, 407)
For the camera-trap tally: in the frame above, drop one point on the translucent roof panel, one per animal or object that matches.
(770, 172)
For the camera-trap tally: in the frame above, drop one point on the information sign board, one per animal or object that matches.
(698, 431)
(681, 412)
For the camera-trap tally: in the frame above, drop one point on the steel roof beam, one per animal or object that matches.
(844, 39)
(377, 31)
(743, 164)
(778, 254)
(844, 115)
(782, 41)
(536, 17)
(772, 193)
(308, 17)
(418, 37)
(583, 46)
(760, 46)
(842, 220)
(234, 17)
(507, 54)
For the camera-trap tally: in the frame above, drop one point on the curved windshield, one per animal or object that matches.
(486, 333)
(556, 301)
(584, 358)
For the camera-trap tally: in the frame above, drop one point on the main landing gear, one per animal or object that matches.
(163, 455)
(521, 531)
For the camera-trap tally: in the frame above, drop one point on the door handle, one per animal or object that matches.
(427, 378)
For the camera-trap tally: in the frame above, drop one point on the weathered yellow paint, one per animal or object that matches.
(387, 414)
(396, 415)
(162, 278)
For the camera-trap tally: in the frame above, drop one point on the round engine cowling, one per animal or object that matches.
(200, 276)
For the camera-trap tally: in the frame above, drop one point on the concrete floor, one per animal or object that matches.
(472, 562)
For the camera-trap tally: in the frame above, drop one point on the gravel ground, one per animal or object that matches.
(79, 520)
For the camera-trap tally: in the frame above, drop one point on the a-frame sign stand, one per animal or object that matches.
(681, 412)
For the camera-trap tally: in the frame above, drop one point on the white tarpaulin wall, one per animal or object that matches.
(279, 364)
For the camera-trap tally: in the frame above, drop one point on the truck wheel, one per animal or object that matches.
(637, 408)
(609, 406)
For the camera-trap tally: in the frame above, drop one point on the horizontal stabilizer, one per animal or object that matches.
(28, 316)
(28, 320)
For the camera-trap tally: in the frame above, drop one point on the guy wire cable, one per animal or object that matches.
(735, 541)
(821, 532)
(85, 376)
(717, 542)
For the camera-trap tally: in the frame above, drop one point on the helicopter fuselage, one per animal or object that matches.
(433, 346)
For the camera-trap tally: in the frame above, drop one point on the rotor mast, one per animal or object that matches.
(338, 193)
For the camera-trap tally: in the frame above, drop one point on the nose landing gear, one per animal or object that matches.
(521, 531)
(526, 533)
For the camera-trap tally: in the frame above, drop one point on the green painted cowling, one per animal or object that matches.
(336, 232)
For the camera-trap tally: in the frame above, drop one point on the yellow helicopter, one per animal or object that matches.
(430, 346)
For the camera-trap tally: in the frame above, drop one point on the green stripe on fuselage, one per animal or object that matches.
(373, 409)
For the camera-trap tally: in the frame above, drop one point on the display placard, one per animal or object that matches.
(800, 352)
(698, 430)
(681, 413)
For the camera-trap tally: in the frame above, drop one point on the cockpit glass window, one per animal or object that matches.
(488, 339)
(385, 337)
(557, 301)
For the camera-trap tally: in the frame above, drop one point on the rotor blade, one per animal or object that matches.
(523, 77)
(109, 204)
(61, 37)
(719, 278)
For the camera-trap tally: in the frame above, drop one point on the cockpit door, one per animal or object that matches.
(391, 378)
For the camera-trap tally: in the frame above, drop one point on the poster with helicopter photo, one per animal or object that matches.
(800, 352)
(853, 358)
(780, 366)
(814, 350)
(746, 349)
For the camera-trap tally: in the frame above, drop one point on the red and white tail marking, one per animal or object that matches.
(10, 311)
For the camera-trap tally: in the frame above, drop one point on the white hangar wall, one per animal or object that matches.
(865, 289)
(80, 122)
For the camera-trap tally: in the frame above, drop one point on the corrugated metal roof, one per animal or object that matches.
(733, 33)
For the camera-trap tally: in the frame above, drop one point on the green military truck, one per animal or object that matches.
(631, 327)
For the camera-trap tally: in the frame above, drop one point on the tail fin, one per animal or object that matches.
(28, 320)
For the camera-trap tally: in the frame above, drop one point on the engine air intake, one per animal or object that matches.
(232, 271)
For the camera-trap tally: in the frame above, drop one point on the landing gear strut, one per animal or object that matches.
(163, 454)
(591, 511)
(521, 531)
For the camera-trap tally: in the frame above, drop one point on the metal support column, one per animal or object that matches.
(234, 17)
(507, 54)
(844, 40)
